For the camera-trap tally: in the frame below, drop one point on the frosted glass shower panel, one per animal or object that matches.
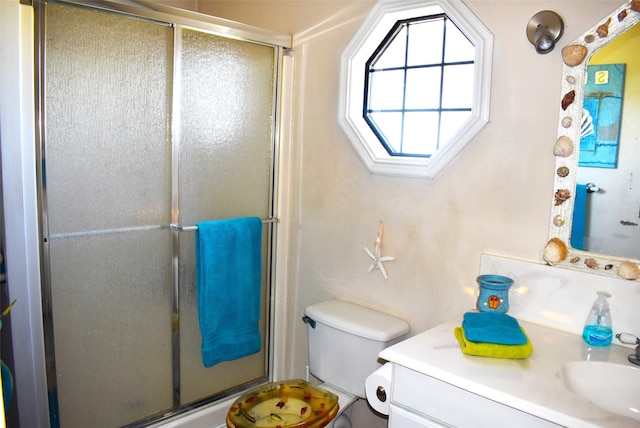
(107, 134)
(226, 163)
(226, 118)
(106, 180)
(111, 310)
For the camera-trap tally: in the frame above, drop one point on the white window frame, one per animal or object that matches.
(380, 20)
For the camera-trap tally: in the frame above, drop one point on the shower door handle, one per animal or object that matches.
(177, 228)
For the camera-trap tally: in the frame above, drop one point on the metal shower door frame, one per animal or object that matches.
(177, 19)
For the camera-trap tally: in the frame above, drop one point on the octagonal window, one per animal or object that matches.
(419, 86)
(425, 91)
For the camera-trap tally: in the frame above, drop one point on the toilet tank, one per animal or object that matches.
(345, 342)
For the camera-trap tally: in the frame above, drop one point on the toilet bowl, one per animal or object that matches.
(344, 342)
(342, 419)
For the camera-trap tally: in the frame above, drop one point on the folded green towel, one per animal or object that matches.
(492, 349)
(492, 327)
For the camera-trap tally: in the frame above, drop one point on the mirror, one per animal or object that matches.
(605, 214)
(604, 245)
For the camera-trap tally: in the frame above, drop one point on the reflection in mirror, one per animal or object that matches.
(605, 216)
(601, 226)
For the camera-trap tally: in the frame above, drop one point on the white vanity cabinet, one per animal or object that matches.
(433, 384)
(420, 401)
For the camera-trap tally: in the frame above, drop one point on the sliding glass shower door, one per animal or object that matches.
(145, 124)
(225, 163)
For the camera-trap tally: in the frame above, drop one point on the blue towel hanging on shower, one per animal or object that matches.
(578, 227)
(228, 280)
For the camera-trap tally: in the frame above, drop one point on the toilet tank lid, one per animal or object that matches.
(357, 320)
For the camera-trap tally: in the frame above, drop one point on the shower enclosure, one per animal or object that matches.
(147, 118)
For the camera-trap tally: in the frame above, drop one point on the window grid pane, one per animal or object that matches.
(457, 86)
(394, 54)
(423, 88)
(389, 126)
(387, 90)
(420, 53)
(458, 47)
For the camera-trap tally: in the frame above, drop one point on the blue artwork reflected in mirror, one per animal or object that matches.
(600, 130)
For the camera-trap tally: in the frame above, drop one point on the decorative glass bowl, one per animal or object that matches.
(291, 404)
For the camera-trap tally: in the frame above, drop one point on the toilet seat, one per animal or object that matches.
(287, 404)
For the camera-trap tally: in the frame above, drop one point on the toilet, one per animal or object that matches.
(344, 346)
(344, 342)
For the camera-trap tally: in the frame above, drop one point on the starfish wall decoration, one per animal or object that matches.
(375, 255)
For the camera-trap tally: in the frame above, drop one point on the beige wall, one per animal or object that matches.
(495, 196)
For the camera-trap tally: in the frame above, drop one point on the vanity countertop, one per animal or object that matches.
(532, 385)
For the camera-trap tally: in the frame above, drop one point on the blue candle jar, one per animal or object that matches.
(493, 294)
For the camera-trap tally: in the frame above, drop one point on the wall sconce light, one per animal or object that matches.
(544, 30)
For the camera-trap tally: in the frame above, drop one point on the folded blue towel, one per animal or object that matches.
(493, 327)
(228, 281)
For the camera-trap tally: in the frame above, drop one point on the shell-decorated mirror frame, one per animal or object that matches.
(576, 55)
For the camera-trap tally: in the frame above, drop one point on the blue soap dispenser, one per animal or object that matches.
(597, 329)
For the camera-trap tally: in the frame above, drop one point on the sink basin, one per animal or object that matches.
(611, 387)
